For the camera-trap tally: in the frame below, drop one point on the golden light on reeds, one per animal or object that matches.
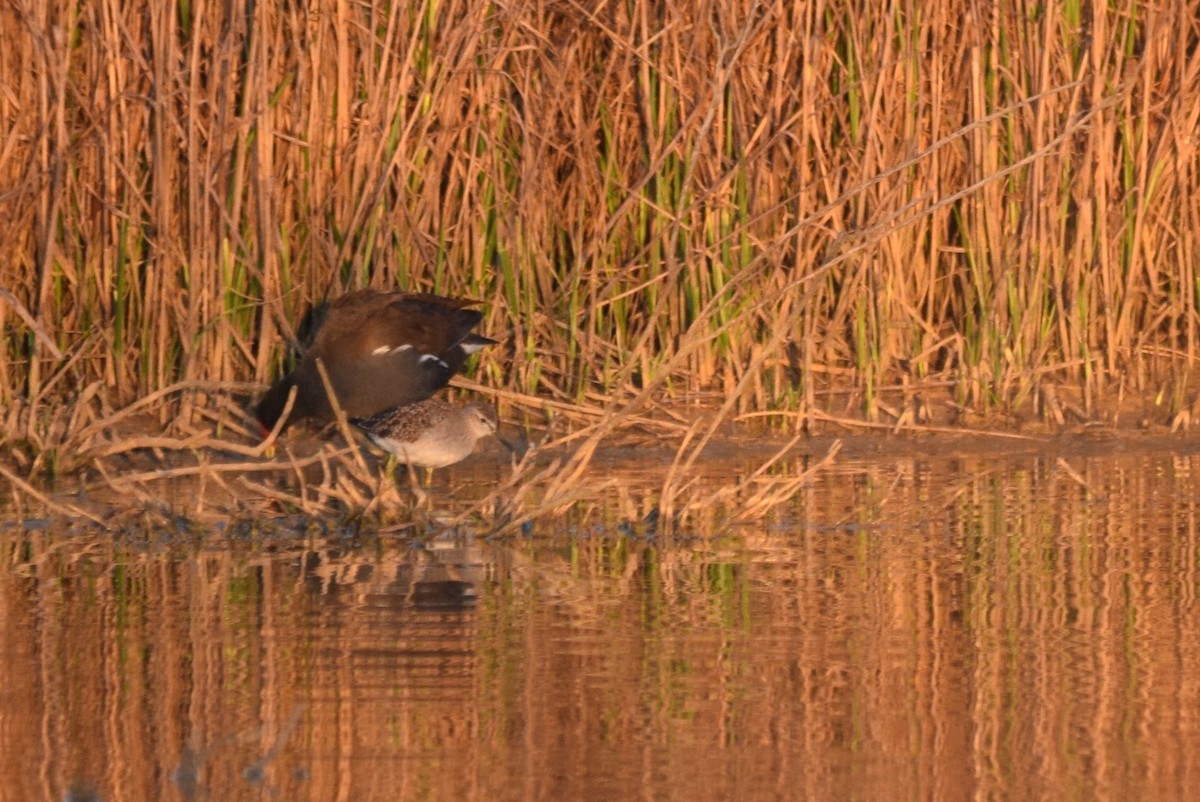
(755, 200)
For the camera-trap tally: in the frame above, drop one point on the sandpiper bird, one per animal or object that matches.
(380, 350)
(432, 433)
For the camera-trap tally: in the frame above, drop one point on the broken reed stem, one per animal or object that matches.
(268, 443)
(158, 395)
(777, 491)
(343, 425)
(57, 507)
(40, 332)
(580, 411)
(290, 465)
(854, 423)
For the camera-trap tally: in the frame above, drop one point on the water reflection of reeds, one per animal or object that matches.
(906, 629)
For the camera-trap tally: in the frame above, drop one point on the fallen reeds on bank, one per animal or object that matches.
(761, 201)
(219, 473)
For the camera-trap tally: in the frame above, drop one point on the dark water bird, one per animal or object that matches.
(380, 350)
(432, 433)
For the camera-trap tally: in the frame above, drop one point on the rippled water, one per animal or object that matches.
(933, 628)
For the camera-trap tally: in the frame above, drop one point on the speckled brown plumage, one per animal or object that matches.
(429, 434)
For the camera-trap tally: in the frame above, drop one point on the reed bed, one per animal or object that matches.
(217, 477)
(738, 205)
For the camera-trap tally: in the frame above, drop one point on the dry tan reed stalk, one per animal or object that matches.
(577, 411)
(57, 507)
(285, 499)
(343, 425)
(597, 432)
(672, 486)
(1075, 477)
(291, 465)
(856, 423)
(156, 397)
(268, 443)
(33, 324)
(772, 493)
(526, 496)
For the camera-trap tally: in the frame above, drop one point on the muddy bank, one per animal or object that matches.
(650, 462)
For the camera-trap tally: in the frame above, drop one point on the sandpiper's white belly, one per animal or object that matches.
(427, 452)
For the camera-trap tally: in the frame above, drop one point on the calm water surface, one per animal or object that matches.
(906, 629)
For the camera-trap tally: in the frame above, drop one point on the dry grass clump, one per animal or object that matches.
(220, 473)
(755, 200)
